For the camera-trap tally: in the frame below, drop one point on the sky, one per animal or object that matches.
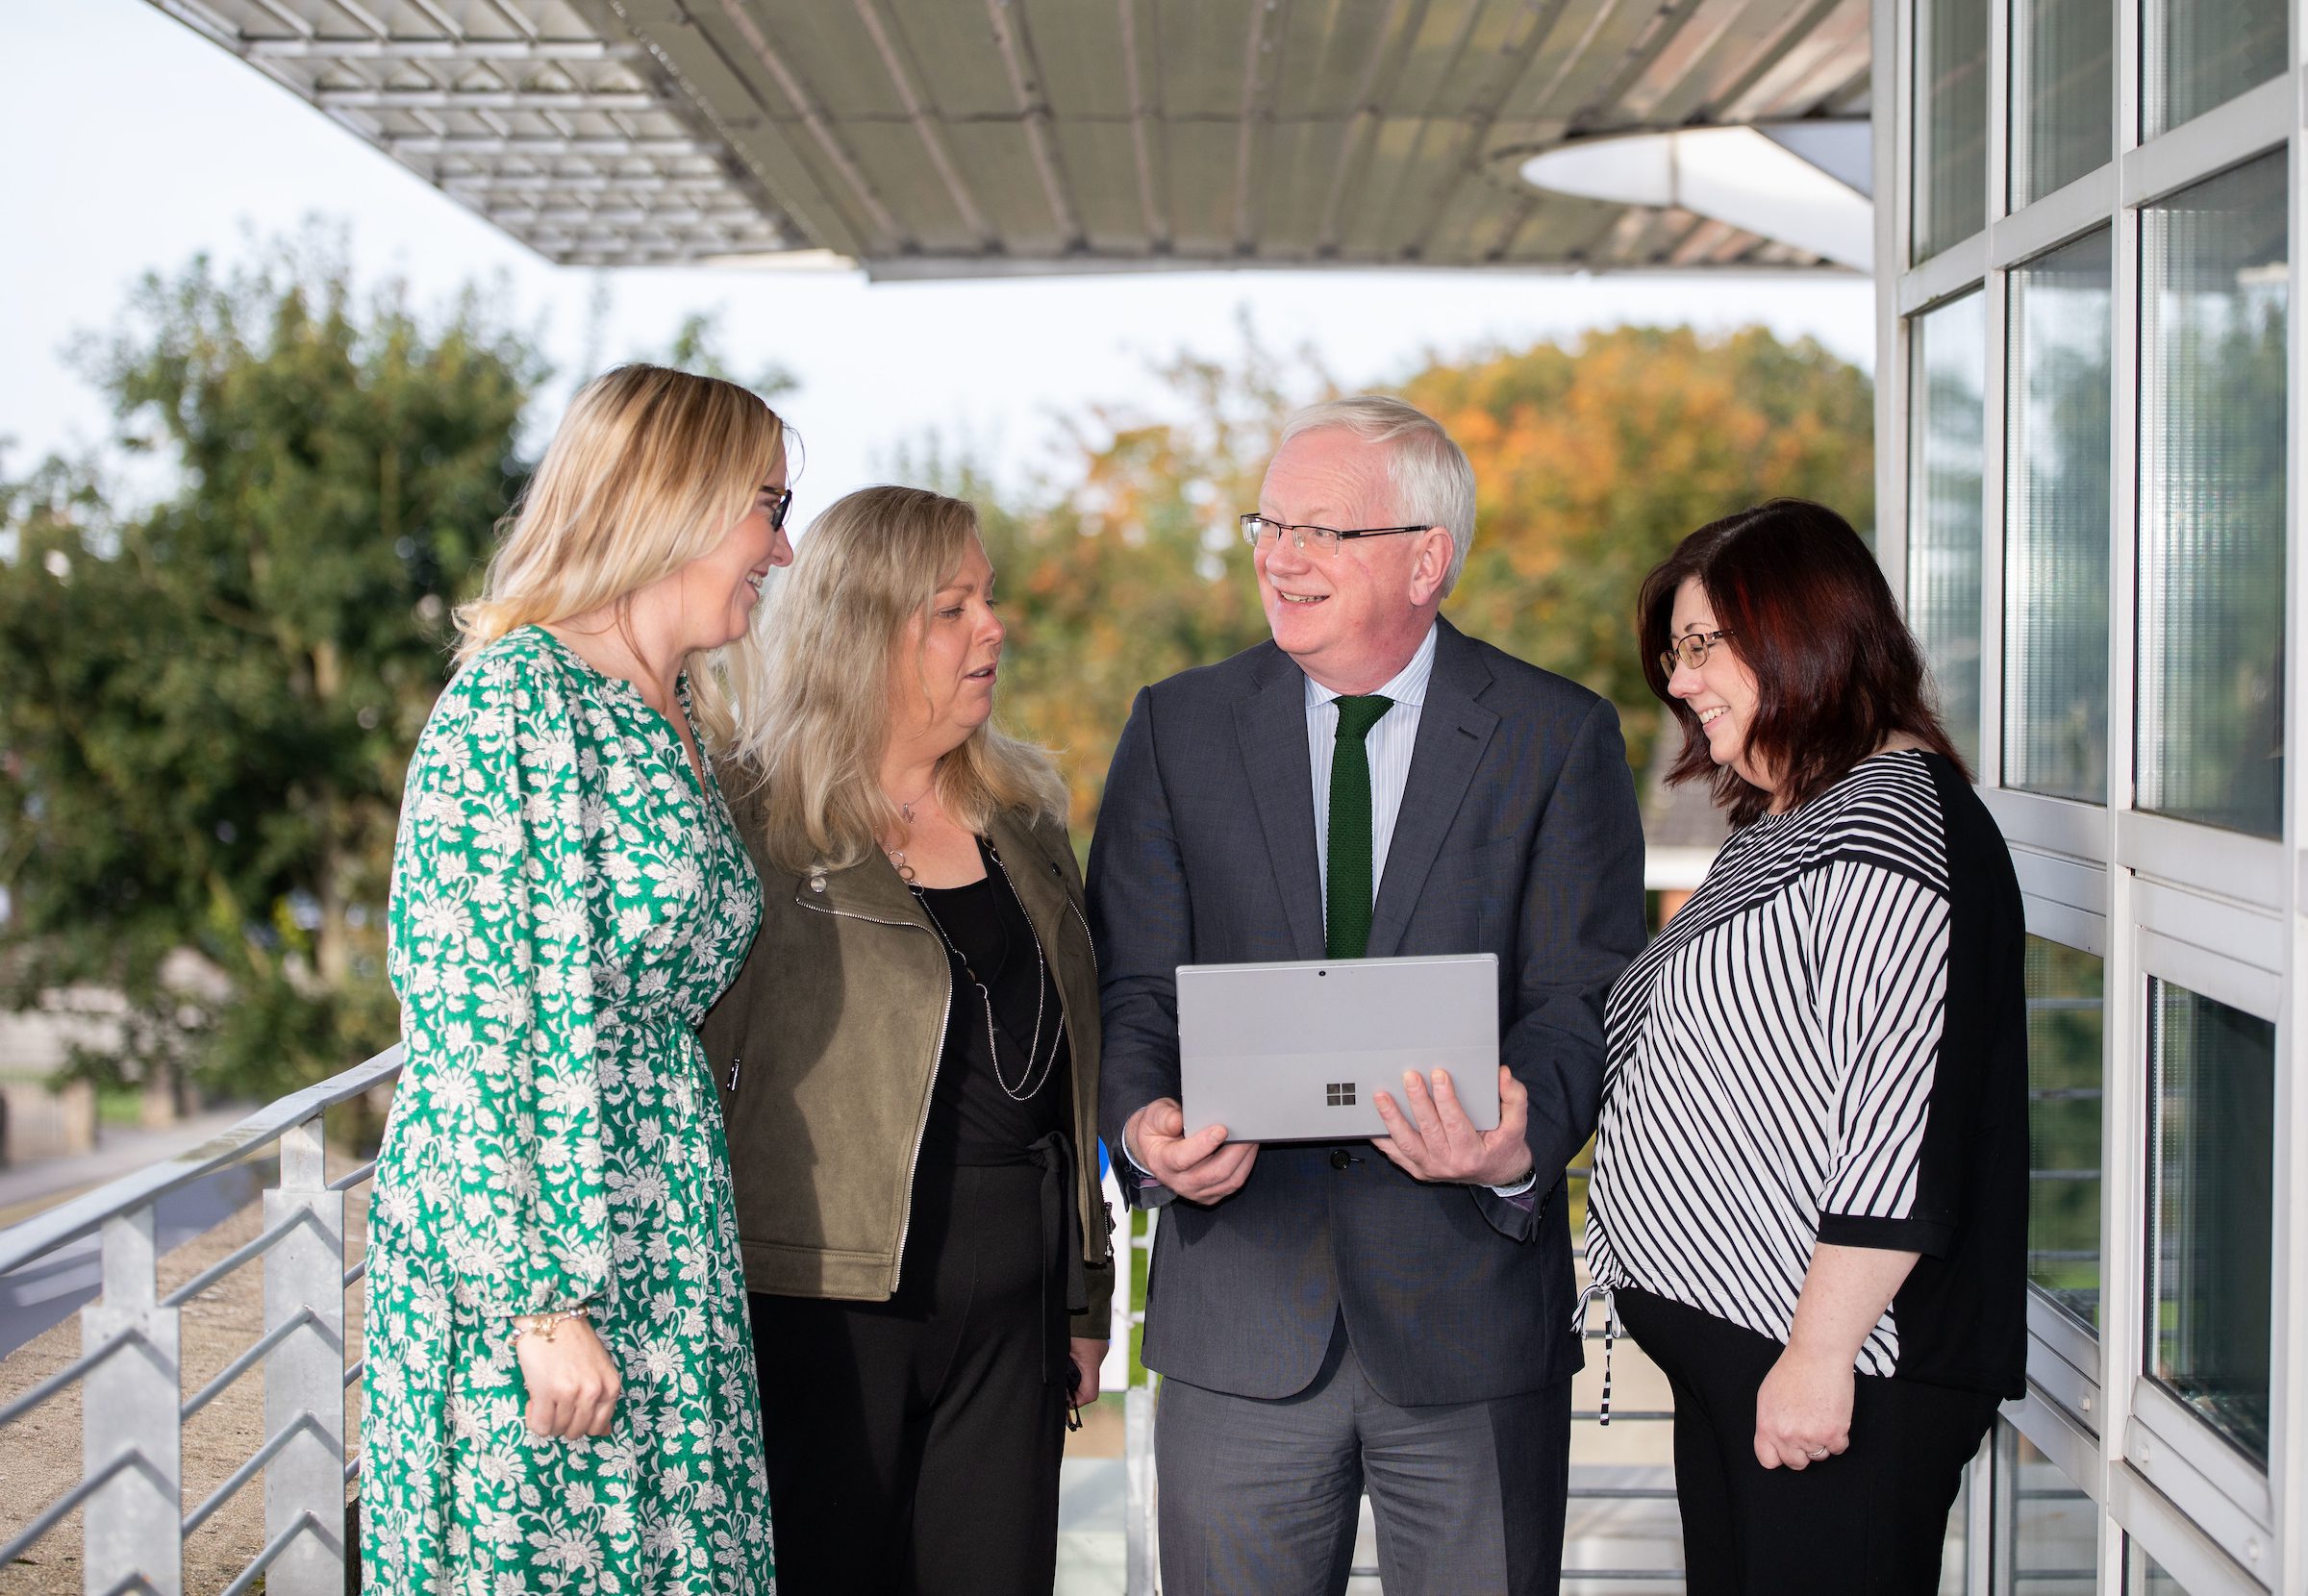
(131, 143)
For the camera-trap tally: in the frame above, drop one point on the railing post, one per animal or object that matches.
(133, 1526)
(1140, 1557)
(304, 1376)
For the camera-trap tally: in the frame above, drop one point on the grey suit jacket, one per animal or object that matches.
(1518, 835)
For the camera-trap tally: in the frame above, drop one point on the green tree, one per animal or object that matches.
(210, 705)
(1594, 459)
(1591, 460)
(1126, 565)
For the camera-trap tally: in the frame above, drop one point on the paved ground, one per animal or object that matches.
(26, 1188)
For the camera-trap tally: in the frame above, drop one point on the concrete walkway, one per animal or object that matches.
(26, 1188)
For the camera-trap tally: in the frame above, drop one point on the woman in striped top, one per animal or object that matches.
(1810, 1174)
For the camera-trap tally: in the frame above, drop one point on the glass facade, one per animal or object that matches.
(2065, 1020)
(2062, 93)
(2196, 55)
(2211, 1211)
(2097, 544)
(1945, 518)
(2150, 1577)
(2213, 267)
(2047, 1530)
(1951, 149)
(2058, 409)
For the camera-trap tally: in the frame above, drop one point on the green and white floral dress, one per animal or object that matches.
(567, 901)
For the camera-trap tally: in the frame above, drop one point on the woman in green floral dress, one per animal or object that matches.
(560, 1378)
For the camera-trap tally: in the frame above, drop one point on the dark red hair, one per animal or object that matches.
(1836, 669)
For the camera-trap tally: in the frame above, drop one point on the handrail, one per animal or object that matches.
(133, 1409)
(84, 1216)
(135, 1413)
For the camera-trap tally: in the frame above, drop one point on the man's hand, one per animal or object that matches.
(572, 1379)
(1803, 1412)
(1201, 1169)
(1438, 1142)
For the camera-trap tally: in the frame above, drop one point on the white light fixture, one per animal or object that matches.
(1742, 176)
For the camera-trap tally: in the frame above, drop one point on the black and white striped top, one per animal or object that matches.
(1828, 1044)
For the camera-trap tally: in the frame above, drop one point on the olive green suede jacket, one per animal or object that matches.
(825, 1049)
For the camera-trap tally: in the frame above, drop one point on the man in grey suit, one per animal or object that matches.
(1395, 1316)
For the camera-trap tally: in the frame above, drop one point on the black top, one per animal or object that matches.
(991, 1104)
(1828, 1043)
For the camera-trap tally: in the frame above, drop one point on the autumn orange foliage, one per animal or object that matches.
(1591, 460)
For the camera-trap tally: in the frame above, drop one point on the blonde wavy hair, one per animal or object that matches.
(647, 471)
(813, 727)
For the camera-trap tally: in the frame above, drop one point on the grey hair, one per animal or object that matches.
(1432, 483)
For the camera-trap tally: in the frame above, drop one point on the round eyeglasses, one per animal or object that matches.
(1260, 533)
(1692, 649)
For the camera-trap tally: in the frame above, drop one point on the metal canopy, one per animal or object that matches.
(976, 138)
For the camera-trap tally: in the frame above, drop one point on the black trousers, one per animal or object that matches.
(1870, 1521)
(914, 1444)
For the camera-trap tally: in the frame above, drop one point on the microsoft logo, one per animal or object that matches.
(1339, 1094)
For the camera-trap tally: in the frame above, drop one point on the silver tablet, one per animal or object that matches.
(1292, 1052)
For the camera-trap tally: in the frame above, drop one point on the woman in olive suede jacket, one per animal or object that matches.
(908, 1068)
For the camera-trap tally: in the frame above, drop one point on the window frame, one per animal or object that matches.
(2149, 894)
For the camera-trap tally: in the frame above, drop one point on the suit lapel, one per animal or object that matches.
(1453, 732)
(1271, 727)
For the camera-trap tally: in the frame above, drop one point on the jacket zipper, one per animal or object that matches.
(1081, 1193)
(922, 1128)
(1083, 920)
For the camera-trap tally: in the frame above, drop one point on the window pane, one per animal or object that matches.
(2062, 93)
(1951, 146)
(2197, 54)
(2210, 1220)
(2051, 1540)
(2056, 582)
(1945, 536)
(2064, 1078)
(2149, 1577)
(2212, 407)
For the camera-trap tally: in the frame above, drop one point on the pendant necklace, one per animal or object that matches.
(1038, 1070)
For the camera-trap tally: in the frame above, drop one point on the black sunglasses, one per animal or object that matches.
(777, 512)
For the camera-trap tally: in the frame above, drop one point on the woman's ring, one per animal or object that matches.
(1816, 1455)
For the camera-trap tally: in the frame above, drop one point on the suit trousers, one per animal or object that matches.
(1871, 1521)
(913, 1445)
(1263, 1496)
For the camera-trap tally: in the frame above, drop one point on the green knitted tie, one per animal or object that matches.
(1348, 908)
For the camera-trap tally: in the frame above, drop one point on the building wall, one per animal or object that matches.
(2087, 450)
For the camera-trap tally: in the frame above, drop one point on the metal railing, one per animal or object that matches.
(130, 1371)
(130, 1374)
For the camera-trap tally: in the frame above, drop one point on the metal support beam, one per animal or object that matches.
(484, 99)
(1145, 127)
(490, 50)
(1381, 70)
(130, 1526)
(482, 185)
(403, 145)
(304, 1376)
(894, 236)
(1009, 19)
(924, 118)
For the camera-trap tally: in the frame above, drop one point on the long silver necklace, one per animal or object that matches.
(1038, 1070)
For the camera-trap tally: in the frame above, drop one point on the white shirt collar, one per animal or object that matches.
(1409, 685)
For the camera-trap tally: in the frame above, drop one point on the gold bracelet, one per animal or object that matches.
(543, 1325)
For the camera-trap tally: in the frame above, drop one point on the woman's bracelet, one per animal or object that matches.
(543, 1325)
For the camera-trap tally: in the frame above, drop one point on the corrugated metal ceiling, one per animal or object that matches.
(958, 137)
